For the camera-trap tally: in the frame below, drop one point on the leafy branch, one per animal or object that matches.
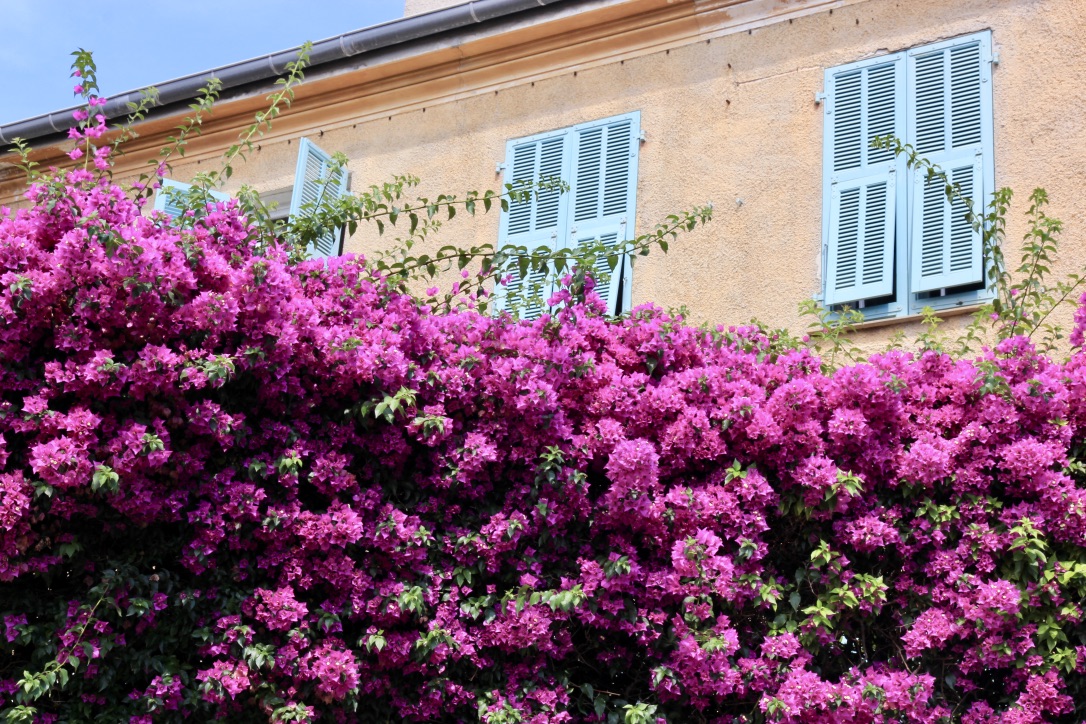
(176, 143)
(277, 101)
(136, 113)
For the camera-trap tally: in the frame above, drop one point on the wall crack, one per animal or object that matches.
(759, 79)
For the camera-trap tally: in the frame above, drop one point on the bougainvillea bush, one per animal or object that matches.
(238, 488)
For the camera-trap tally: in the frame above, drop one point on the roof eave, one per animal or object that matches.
(256, 71)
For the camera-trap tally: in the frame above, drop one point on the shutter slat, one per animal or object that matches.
(930, 91)
(533, 162)
(961, 231)
(520, 212)
(965, 99)
(602, 171)
(882, 111)
(932, 224)
(587, 174)
(551, 160)
(617, 173)
(847, 119)
(529, 294)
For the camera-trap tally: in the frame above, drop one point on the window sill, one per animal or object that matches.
(911, 318)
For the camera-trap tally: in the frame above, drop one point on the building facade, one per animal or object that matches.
(765, 108)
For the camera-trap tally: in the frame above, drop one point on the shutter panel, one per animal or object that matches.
(951, 125)
(170, 203)
(860, 182)
(603, 189)
(316, 181)
(607, 280)
(862, 226)
(535, 222)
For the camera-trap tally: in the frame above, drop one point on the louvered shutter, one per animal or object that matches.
(860, 182)
(950, 125)
(316, 180)
(535, 222)
(170, 203)
(603, 191)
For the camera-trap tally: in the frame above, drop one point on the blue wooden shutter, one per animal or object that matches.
(860, 189)
(317, 181)
(535, 222)
(603, 191)
(170, 203)
(950, 124)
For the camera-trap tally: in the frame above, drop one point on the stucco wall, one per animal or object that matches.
(731, 118)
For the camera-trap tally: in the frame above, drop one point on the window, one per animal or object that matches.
(892, 243)
(599, 162)
(313, 182)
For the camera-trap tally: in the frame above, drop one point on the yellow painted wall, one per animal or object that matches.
(730, 116)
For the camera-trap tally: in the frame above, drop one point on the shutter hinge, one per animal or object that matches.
(499, 167)
(819, 97)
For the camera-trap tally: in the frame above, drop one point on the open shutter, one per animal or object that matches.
(170, 203)
(607, 279)
(950, 125)
(316, 180)
(860, 182)
(603, 193)
(535, 222)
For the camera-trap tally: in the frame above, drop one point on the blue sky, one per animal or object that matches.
(137, 44)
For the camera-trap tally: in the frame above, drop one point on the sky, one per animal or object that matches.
(136, 44)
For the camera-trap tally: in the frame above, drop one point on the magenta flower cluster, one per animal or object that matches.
(240, 489)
